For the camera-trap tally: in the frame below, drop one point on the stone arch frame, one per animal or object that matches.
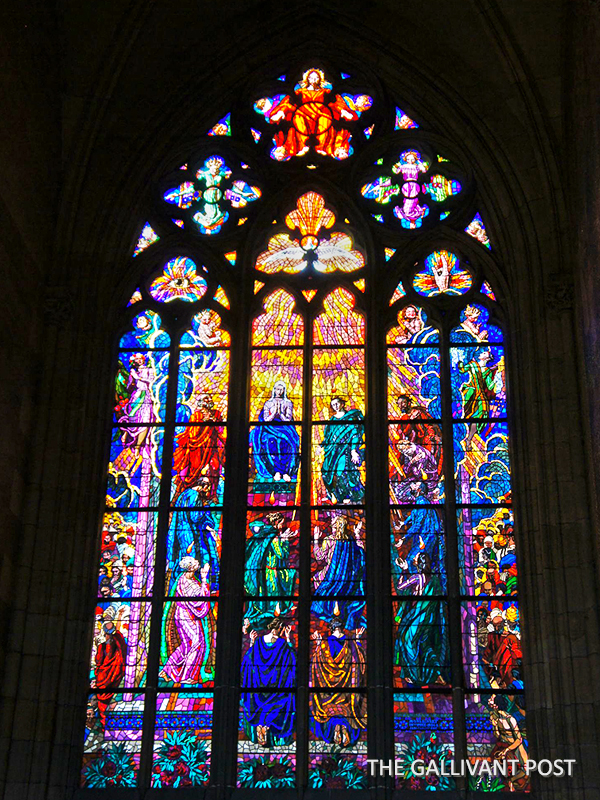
(76, 300)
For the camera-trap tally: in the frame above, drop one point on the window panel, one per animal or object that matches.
(182, 740)
(423, 729)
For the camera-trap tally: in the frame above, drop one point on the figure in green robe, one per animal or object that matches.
(343, 449)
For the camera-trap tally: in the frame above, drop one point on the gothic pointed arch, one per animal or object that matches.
(310, 382)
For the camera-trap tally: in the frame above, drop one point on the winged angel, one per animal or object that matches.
(293, 253)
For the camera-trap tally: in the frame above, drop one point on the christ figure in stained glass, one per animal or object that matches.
(343, 454)
(312, 118)
(270, 663)
(276, 446)
(340, 572)
(190, 627)
(338, 663)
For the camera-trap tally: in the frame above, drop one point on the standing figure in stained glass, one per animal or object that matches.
(269, 663)
(199, 450)
(312, 118)
(340, 560)
(343, 454)
(419, 548)
(212, 216)
(276, 446)
(510, 743)
(189, 627)
(134, 410)
(421, 647)
(338, 663)
(502, 652)
(269, 569)
(195, 532)
(109, 667)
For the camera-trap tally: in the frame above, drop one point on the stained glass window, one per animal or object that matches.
(309, 433)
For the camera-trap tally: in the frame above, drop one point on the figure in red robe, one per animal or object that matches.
(109, 667)
(312, 118)
(199, 450)
(416, 429)
(501, 654)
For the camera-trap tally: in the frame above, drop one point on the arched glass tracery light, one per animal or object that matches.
(324, 299)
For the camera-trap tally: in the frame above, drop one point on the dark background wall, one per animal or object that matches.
(97, 100)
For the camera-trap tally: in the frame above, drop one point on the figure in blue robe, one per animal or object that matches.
(421, 647)
(270, 663)
(341, 573)
(343, 453)
(423, 537)
(193, 532)
(276, 445)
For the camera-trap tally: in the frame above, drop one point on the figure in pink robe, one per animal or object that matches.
(191, 624)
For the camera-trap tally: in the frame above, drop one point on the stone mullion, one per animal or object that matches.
(233, 551)
(304, 576)
(452, 560)
(380, 695)
(158, 586)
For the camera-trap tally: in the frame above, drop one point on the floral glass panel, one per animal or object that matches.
(113, 740)
(182, 740)
(423, 731)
